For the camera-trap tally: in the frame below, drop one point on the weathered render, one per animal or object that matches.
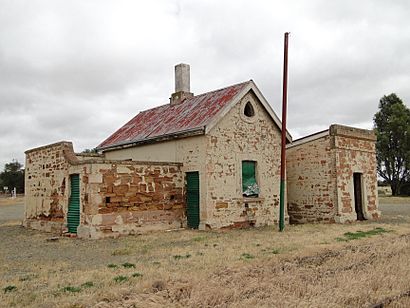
(320, 176)
(208, 161)
(117, 197)
(221, 141)
(234, 139)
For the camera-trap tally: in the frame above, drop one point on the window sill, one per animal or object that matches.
(252, 199)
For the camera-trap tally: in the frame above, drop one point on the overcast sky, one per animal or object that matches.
(78, 70)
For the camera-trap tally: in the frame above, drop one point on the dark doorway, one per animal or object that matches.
(358, 195)
(192, 196)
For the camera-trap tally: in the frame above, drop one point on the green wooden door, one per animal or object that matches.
(73, 215)
(192, 191)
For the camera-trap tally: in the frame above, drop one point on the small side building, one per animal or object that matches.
(331, 176)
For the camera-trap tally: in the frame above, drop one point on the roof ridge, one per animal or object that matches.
(193, 112)
(224, 88)
(195, 96)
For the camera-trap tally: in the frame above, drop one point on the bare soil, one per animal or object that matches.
(305, 266)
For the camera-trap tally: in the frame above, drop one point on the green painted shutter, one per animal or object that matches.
(192, 191)
(249, 185)
(73, 215)
(248, 174)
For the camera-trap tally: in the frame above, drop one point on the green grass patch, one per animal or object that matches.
(9, 289)
(87, 284)
(121, 252)
(27, 277)
(71, 289)
(349, 236)
(274, 251)
(136, 275)
(128, 265)
(111, 265)
(179, 257)
(247, 256)
(120, 278)
(199, 239)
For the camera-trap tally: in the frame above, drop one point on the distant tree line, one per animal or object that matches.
(12, 176)
(392, 127)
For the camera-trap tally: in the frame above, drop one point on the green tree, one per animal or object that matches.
(13, 176)
(392, 126)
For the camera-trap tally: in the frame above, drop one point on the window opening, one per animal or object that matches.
(249, 111)
(250, 187)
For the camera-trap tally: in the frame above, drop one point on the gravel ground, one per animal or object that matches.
(391, 213)
(395, 213)
(11, 213)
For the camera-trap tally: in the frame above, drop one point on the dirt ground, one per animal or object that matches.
(305, 266)
(11, 210)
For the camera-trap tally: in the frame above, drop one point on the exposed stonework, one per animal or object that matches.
(311, 182)
(234, 139)
(355, 152)
(137, 183)
(130, 197)
(46, 186)
(218, 156)
(117, 197)
(190, 152)
(320, 172)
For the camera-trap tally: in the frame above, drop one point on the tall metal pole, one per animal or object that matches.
(283, 143)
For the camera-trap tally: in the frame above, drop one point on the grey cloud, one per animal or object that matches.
(78, 70)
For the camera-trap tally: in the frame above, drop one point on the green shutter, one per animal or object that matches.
(73, 215)
(248, 177)
(192, 191)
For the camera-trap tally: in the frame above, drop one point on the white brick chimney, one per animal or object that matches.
(182, 84)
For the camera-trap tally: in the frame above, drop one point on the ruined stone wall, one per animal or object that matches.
(117, 197)
(355, 153)
(311, 181)
(130, 197)
(190, 151)
(46, 186)
(234, 139)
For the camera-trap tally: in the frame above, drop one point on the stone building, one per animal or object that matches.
(331, 176)
(206, 161)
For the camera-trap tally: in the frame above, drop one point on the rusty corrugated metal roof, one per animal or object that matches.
(192, 114)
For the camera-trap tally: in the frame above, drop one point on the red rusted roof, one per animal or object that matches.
(192, 114)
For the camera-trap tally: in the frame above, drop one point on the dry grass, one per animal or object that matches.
(304, 266)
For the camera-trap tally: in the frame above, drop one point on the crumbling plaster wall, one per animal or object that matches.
(190, 151)
(234, 139)
(117, 197)
(46, 186)
(120, 197)
(355, 153)
(311, 182)
(320, 176)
